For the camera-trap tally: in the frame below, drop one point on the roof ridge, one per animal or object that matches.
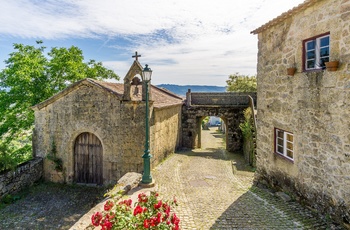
(285, 15)
(167, 92)
(68, 90)
(98, 82)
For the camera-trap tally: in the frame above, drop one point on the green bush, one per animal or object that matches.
(247, 126)
(248, 129)
(9, 199)
(11, 156)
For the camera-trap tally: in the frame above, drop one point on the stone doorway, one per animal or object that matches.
(88, 153)
(215, 126)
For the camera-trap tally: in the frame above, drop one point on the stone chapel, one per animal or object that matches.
(97, 129)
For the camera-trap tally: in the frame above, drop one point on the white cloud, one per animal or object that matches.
(202, 41)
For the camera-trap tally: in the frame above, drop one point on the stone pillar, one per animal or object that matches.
(188, 97)
(234, 140)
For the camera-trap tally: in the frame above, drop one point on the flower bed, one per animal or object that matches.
(149, 212)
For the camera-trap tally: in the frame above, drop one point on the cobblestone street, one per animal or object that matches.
(212, 195)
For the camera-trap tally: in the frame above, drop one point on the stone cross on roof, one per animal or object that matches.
(136, 56)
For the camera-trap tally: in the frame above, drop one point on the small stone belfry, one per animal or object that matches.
(129, 80)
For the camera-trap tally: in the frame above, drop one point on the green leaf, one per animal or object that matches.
(241, 83)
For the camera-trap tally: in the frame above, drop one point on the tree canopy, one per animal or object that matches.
(32, 76)
(241, 83)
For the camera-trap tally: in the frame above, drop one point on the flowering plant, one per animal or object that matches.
(149, 212)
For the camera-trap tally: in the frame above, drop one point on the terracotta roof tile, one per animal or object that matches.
(161, 98)
(285, 15)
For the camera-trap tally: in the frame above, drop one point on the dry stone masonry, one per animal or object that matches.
(24, 176)
(313, 105)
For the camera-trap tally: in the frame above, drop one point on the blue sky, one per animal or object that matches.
(185, 42)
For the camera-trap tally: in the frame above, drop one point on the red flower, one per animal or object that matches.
(166, 208)
(96, 218)
(142, 198)
(159, 217)
(138, 209)
(108, 205)
(146, 223)
(174, 219)
(157, 206)
(126, 202)
(175, 201)
(153, 221)
(106, 225)
(110, 217)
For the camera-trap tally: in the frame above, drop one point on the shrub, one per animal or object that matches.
(149, 212)
(10, 158)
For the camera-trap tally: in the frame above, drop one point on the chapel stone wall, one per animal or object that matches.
(314, 106)
(95, 110)
(165, 133)
(118, 124)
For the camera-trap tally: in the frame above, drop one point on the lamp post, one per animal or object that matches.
(147, 177)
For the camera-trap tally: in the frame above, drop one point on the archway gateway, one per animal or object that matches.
(88, 155)
(228, 106)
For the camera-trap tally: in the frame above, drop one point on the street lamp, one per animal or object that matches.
(147, 177)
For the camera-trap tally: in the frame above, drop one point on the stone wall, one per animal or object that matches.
(24, 176)
(165, 133)
(228, 98)
(314, 106)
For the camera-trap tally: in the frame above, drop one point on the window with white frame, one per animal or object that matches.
(284, 144)
(316, 52)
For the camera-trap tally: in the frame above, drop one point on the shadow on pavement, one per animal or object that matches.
(260, 209)
(50, 206)
(217, 135)
(220, 154)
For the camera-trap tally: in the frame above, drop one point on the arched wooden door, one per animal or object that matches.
(88, 159)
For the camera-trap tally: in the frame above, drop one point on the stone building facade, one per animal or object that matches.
(97, 129)
(303, 136)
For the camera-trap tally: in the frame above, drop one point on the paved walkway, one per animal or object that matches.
(212, 195)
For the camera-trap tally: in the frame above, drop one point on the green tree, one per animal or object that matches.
(241, 83)
(31, 76)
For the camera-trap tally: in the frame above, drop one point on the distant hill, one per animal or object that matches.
(182, 89)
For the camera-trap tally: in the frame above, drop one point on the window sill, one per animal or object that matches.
(314, 70)
(284, 157)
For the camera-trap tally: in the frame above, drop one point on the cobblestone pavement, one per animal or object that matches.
(211, 196)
